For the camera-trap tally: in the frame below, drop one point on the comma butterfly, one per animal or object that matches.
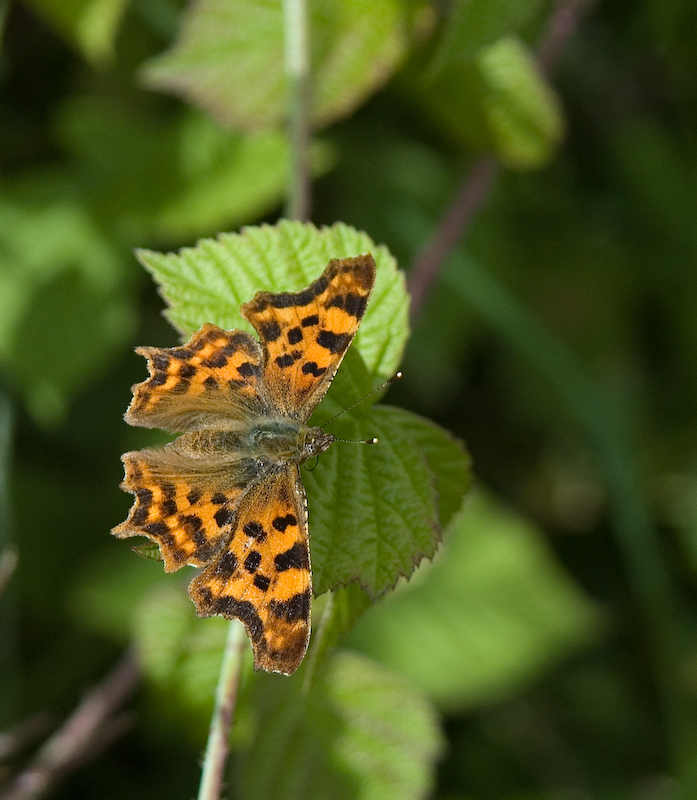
(226, 495)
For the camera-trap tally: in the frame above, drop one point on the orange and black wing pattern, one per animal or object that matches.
(215, 375)
(263, 576)
(306, 334)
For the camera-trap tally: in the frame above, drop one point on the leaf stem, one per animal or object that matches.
(218, 743)
(297, 63)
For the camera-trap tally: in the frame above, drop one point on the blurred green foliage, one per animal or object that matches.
(549, 651)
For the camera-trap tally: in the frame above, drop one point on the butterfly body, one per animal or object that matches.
(226, 495)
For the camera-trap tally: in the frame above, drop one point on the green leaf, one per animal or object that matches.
(490, 613)
(59, 280)
(373, 509)
(92, 25)
(230, 57)
(523, 113)
(361, 732)
(447, 458)
(497, 102)
(175, 178)
(374, 512)
(474, 24)
(210, 282)
(179, 652)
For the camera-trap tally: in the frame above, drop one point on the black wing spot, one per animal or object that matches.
(169, 507)
(334, 342)
(262, 582)
(140, 514)
(270, 331)
(156, 528)
(311, 319)
(249, 370)
(295, 557)
(255, 531)
(223, 516)
(227, 565)
(294, 335)
(285, 361)
(281, 523)
(160, 362)
(311, 368)
(297, 608)
(216, 361)
(182, 353)
(144, 496)
(158, 379)
(251, 563)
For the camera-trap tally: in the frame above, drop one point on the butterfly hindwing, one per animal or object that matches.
(306, 334)
(183, 504)
(263, 575)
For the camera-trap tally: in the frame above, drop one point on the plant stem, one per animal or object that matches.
(297, 60)
(221, 722)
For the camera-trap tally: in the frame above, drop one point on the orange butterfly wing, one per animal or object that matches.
(306, 334)
(263, 576)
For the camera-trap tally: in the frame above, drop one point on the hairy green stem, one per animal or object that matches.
(297, 65)
(221, 722)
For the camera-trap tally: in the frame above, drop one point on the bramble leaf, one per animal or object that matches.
(361, 732)
(230, 57)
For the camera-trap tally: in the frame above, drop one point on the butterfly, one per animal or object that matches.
(226, 495)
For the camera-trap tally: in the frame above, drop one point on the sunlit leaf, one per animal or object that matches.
(230, 57)
(362, 732)
(493, 611)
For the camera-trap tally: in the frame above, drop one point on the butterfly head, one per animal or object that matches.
(315, 441)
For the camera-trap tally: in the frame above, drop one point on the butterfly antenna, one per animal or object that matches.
(379, 388)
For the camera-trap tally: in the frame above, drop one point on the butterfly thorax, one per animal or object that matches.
(264, 440)
(283, 440)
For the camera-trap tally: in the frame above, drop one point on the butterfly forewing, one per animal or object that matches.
(263, 575)
(216, 374)
(306, 334)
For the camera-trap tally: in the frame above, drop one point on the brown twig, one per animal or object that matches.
(475, 188)
(469, 198)
(561, 27)
(86, 732)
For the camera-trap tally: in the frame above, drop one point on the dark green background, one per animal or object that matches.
(559, 342)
